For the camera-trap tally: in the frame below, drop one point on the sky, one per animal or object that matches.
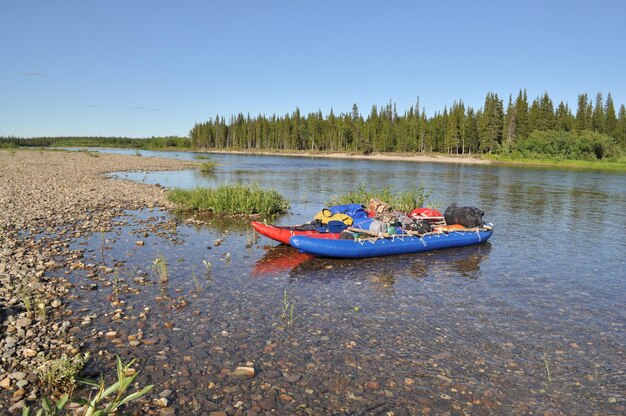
(143, 68)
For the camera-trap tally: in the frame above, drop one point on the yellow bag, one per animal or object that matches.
(325, 216)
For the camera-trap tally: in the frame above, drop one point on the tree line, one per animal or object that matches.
(118, 142)
(594, 131)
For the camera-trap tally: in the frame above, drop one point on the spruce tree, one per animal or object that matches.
(521, 116)
(621, 128)
(610, 122)
(583, 116)
(510, 124)
(597, 119)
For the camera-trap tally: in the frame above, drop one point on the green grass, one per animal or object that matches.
(207, 167)
(234, 199)
(613, 166)
(400, 200)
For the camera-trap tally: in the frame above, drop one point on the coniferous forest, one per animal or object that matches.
(593, 131)
(515, 130)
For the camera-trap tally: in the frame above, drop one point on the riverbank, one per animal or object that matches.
(398, 157)
(49, 198)
(437, 158)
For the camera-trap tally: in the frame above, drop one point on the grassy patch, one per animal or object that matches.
(207, 167)
(400, 200)
(613, 166)
(235, 199)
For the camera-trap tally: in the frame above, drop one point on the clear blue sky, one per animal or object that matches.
(151, 68)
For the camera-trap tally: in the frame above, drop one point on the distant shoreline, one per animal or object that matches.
(401, 157)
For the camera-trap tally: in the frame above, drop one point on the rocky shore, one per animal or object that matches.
(46, 199)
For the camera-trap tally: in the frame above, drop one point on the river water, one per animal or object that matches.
(531, 322)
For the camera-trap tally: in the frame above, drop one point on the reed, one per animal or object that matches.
(286, 311)
(233, 199)
(196, 281)
(160, 267)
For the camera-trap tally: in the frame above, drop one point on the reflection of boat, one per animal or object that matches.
(279, 259)
(283, 234)
(393, 245)
(461, 262)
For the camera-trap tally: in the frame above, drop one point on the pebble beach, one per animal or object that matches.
(46, 198)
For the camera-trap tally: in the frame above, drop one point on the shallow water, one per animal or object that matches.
(531, 322)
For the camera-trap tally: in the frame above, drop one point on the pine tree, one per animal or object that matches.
(471, 140)
(521, 116)
(490, 124)
(563, 118)
(583, 116)
(510, 124)
(546, 114)
(597, 119)
(610, 122)
(621, 128)
(454, 127)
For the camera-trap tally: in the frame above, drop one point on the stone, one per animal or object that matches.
(166, 393)
(23, 322)
(294, 378)
(17, 406)
(18, 375)
(167, 411)
(268, 403)
(29, 352)
(5, 383)
(244, 372)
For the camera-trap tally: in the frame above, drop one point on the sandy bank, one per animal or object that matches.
(403, 157)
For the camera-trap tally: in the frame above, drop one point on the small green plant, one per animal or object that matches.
(107, 401)
(195, 279)
(160, 267)
(61, 373)
(286, 312)
(27, 300)
(227, 257)
(117, 391)
(48, 408)
(547, 366)
(40, 304)
(357, 308)
(116, 286)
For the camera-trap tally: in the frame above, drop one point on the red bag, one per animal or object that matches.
(426, 214)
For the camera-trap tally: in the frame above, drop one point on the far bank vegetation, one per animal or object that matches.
(509, 129)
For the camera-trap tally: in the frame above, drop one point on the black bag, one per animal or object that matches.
(420, 227)
(466, 216)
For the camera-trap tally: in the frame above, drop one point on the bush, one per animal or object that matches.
(561, 145)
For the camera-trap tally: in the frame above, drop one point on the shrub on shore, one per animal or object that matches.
(234, 199)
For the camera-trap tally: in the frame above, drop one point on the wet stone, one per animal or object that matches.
(268, 403)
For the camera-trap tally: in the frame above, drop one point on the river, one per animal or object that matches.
(530, 322)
